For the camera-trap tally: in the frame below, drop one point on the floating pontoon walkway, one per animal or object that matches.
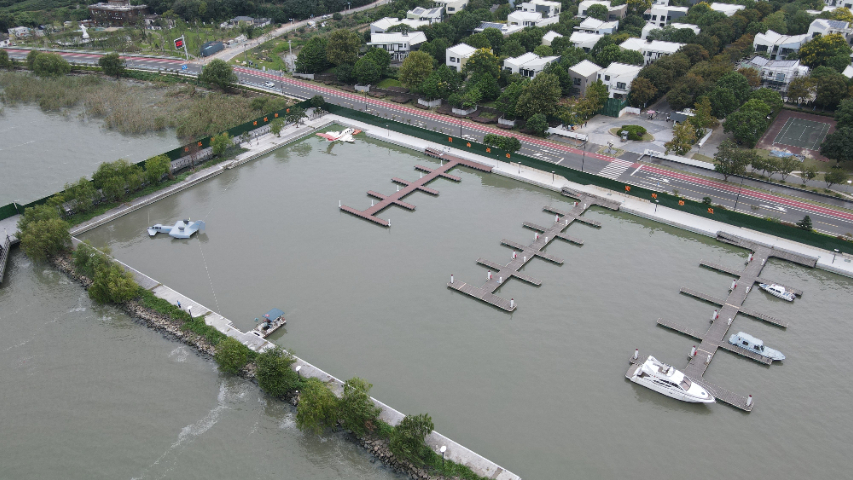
(385, 201)
(524, 253)
(715, 337)
(8, 230)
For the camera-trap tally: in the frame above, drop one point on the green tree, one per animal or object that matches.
(5, 62)
(730, 160)
(50, 65)
(805, 223)
(769, 97)
(512, 48)
(631, 57)
(683, 138)
(608, 55)
(509, 144)
(274, 373)
(776, 22)
(220, 143)
(482, 62)
(415, 70)
(478, 40)
(737, 84)
(407, 439)
(642, 92)
(31, 59)
(113, 284)
(112, 65)
(218, 73)
(342, 47)
(318, 407)
(787, 165)
(312, 57)
(747, 125)
(597, 11)
(638, 6)
(537, 124)
(441, 83)
(597, 93)
(87, 259)
(808, 173)
(317, 101)
(831, 89)
(355, 408)
(540, 96)
(276, 126)
(42, 233)
(156, 167)
(380, 57)
(801, 87)
(834, 176)
(231, 355)
(543, 51)
(81, 194)
(702, 117)
(844, 113)
(755, 105)
(367, 72)
(818, 51)
(508, 99)
(838, 145)
(296, 115)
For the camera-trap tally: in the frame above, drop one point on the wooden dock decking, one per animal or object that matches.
(715, 338)
(385, 201)
(526, 253)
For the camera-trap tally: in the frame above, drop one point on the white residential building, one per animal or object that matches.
(618, 78)
(583, 74)
(382, 25)
(505, 28)
(537, 13)
(431, 15)
(550, 37)
(457, 55)
(398, 44)
(528, 65)
(726, 8)
(777, 74)
(613, 13)
(824, 27)
(778, 46)
(661, 15)
(651, 26)
(585, 40)
(594, 25)
(451, 7)
(651, 49)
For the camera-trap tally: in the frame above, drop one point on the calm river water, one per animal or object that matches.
(40, 153)
(542, 391)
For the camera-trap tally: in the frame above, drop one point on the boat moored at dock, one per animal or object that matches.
(662, 378)
(777, 291)
(748, 342)
(273, 320)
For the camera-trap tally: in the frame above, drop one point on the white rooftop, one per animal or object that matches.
(398, 37)
(848, 71)
(526, 16)
(773, 38)
(550, 36)
(640, 45)
(585, 68)
(726, 8)
(617, 68)
(462, 50)
(522, 59)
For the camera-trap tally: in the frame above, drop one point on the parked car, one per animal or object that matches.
(269, 85)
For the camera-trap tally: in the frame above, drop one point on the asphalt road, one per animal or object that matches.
(630, 169)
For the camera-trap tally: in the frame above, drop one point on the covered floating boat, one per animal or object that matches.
(272, 321)
(748, 342)
(181, 229)
(777, 291)
(343, 136)
(666, 380)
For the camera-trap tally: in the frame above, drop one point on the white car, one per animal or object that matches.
(269, 85)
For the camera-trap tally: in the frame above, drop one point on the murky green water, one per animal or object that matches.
(40, 153)
(87, 393)
(542, 391)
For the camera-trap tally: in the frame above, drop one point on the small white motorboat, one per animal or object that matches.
(344, 135)
(664, 379)
(181, 229)
(748, 342)
(777, 291)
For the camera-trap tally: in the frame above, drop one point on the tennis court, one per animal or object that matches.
(799, 132)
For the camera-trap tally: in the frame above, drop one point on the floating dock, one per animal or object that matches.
(8, 230)
(715, 337)
(448, 162)
(524, 253)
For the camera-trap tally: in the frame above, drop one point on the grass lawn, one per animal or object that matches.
(389, 82)
(704, 158)
(811, 162)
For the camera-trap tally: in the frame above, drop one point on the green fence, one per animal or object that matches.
(583, 178)
(613, 106)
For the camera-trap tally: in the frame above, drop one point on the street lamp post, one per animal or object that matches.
(834, 254)
(443, 449)
(738, 192)
(389, 130)
(656, 205)
(583, 159)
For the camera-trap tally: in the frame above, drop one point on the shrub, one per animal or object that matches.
(318, 407)
(355, 408)
(706, 200)
(274, 373)
(112, 284)
(407, 439)
(635, 132)
(43, 233)
(231, 355)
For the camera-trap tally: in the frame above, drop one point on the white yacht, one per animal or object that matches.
(777, 291)
(664, 379)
